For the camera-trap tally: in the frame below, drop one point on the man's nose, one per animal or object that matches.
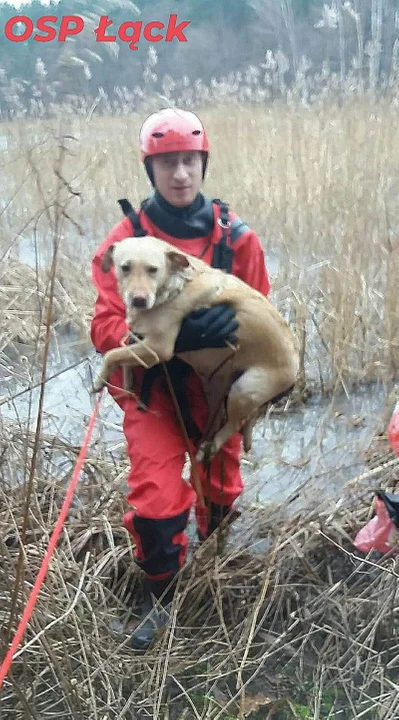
(180, 171)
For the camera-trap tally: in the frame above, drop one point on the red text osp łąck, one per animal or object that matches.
(21, 28)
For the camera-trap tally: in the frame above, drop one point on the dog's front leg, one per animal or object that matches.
(145, 354)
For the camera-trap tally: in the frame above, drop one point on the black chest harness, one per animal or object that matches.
(222, 258)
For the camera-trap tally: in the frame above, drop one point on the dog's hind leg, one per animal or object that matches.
(254, 388)
(246, 432)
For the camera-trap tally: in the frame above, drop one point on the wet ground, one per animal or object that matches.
(316, 448)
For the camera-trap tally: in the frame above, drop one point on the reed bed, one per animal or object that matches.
(305, 624)
(303, 628)
(318, 183)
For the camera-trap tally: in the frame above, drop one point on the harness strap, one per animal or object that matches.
(223, 253)
(129, 211)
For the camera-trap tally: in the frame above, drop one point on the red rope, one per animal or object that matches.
(6, 664)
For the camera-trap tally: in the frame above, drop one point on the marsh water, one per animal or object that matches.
(316, 447)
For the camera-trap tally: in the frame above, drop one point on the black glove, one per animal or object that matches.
(207, 328)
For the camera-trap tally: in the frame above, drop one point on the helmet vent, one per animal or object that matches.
(157, 134)
(196, 132)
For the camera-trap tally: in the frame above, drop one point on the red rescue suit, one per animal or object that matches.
(160, 498)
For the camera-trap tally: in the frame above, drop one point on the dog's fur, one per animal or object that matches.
(160, 286)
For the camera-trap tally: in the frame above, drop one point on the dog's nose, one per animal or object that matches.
(140, 301)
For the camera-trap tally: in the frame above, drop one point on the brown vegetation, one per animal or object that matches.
(303, 626)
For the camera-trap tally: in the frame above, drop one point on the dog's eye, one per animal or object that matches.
(152, 270)
(126, 267)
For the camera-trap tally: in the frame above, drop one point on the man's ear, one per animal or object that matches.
(108, 259)
(177, 260)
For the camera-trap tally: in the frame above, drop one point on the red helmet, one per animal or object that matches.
(172, 130)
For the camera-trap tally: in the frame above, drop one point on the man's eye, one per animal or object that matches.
(152, 270)
(126, 267)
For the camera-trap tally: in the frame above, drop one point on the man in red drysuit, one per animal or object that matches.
(174, 149)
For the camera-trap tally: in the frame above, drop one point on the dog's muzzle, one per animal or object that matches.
(139, 302)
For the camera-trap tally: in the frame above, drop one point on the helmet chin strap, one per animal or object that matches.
(149, 171)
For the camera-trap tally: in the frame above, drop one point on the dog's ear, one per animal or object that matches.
(108, 259)
(177, 260)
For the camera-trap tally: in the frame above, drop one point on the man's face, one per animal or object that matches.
(178, 176)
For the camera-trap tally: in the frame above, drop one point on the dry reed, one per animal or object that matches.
(317, 183)
(303, 623)
(303, 628)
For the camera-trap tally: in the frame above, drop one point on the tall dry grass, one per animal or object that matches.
(318, 183)
(303, 627)
(299, 629)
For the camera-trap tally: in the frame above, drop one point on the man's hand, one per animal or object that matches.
(207, 328)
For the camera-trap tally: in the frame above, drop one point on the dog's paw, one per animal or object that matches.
(206, 452)
(98, 385)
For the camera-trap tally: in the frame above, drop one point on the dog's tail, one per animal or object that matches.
(126, 206)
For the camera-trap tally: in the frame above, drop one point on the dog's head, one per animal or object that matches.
(144, 267)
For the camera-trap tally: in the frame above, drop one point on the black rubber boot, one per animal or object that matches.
(155, 611)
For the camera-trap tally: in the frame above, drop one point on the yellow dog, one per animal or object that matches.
(160, 286)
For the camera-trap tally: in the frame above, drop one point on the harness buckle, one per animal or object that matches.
(223, 224)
